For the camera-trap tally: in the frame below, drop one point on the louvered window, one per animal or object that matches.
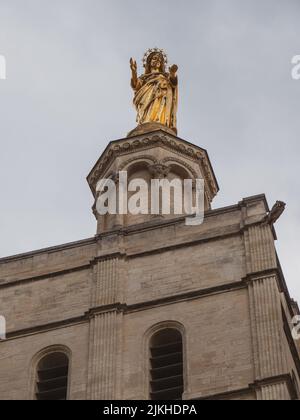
(166, 362)
(52, 377)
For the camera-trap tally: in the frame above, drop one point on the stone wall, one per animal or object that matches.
(101, 298)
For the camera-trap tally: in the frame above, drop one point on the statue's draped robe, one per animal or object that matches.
(156, 98)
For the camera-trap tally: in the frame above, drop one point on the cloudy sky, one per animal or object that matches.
(67, 95)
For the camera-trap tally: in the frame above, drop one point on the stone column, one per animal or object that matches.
(159, 171)
(118, 218)
(260, 249)
(265, 312)
(266, 328)
(104, 290)
(105, 332)
(273, 392)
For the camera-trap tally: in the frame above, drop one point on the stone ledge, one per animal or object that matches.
(151, 127)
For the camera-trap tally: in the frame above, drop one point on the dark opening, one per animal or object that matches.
(166, 361)
(52, 377)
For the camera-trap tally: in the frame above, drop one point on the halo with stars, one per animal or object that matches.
(154, 50)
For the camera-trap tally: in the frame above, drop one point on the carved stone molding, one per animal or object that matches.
(150, 127)
(145, 158)
(189, 168)
(115, 177)
(159, 171)
(145, 142)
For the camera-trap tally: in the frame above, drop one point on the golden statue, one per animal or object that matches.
(156, 91)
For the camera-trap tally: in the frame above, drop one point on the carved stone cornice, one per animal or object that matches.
(148, 141)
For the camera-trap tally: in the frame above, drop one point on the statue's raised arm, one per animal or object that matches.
(156, 91)
(134, 76)
(173, 74)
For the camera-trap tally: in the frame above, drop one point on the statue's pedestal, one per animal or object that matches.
(150, 128)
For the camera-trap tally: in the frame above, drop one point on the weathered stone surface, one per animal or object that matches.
(149, 128)
(102, 298)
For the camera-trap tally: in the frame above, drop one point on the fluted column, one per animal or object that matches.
(105, 283)
(260, 249)
(105, 332)
(277, 392)
(266, 328)
(265, 312)
(103, 356)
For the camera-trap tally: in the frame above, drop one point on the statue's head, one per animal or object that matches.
(155, 59)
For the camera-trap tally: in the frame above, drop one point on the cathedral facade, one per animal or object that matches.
(151, 308)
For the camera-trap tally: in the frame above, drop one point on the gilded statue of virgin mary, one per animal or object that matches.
(156, 91)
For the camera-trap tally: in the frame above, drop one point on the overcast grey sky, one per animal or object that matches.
(67, 94)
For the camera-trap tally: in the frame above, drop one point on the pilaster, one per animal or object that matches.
(105, 332)
(278, 392)
(265, 312)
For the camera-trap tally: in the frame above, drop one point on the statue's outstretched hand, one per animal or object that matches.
(133, 66)
(173, 70)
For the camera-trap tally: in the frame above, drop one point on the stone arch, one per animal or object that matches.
(146, 351)
(36, 360)
(138, 161)
(183, 167)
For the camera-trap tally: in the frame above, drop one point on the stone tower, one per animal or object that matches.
(220, 284)
(150, 308)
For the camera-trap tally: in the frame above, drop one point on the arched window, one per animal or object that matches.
(166, 365)
(52, 377)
